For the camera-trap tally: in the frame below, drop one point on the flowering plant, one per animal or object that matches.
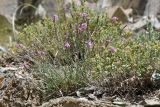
(87, 45)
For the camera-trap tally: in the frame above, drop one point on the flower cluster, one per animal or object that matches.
(84, 15)
(67, 45)
(90, 43)
(20, 46)
(113, 50)
(55, 18)
(114, 19)
(82, 27)
(41, 53)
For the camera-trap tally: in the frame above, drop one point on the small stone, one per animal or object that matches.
(155, 76)
(119, 103)
(92, 97)
(99, 93)
(5, 69)
(152, 102)
(78, 93)
(3, 49)
(85, 91)
(142, 102)
(90, 89)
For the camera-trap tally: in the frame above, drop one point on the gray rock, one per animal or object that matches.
(75, 102)
(23, 9)
(152, 102)
(143, 22)
(92, 97)
(7, 7)
(119, 101)
(137, 5)
(122, 104)
(3, 49)
(5, 69)
(152, 8)
(155, 76)
(19, 12)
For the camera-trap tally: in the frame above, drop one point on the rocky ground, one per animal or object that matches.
(19, 88)
(19, 93)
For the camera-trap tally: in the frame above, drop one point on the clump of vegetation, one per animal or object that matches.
(70, 52)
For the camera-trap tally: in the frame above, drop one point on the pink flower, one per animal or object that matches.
(55, 18)
(41, 53)
(19, 46)
(83, 27)
(90, 44)
(67, 45)
(25, 65)
(114, 19)
(113, 50)
(85, 15)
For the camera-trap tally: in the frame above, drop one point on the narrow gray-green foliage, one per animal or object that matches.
(73, 51)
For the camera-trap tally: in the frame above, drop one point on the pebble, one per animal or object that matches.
(3, 49)
(123, 104)
(5, 69)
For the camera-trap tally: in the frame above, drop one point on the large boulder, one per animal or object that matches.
(26, 11)
(137, 5)
(20, 12)
(152, 8)
(8, 7)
